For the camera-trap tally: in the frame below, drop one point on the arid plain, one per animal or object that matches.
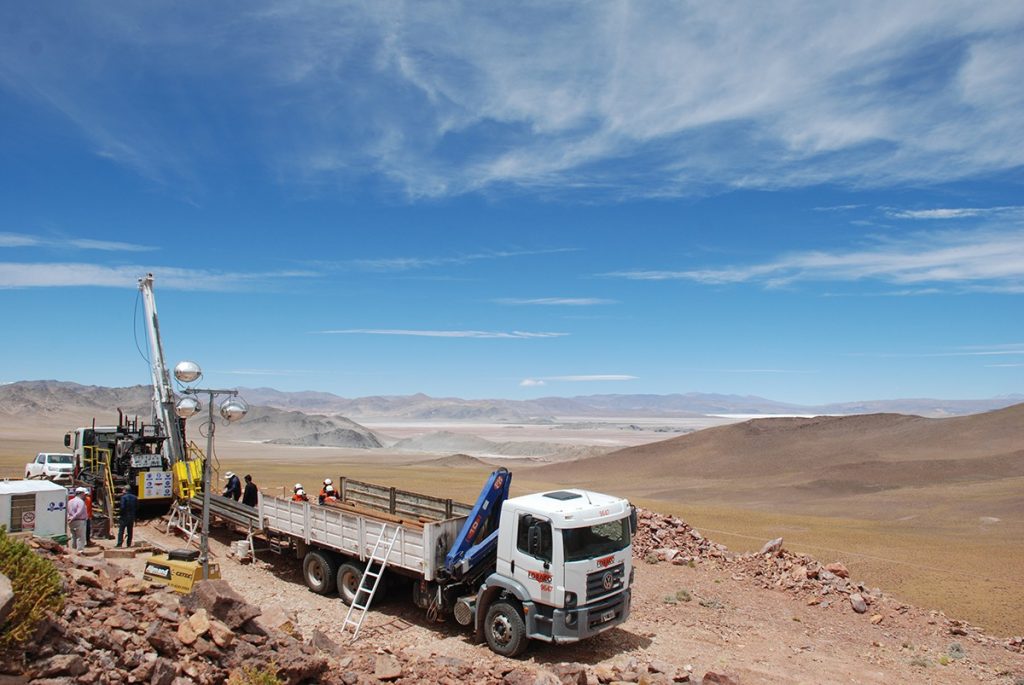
(929, 510)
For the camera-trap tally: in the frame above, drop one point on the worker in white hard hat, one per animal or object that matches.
(328, 483)
(328, 494)
(300, 495)
(233, 489)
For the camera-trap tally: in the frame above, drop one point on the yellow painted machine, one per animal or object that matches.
(179, 570)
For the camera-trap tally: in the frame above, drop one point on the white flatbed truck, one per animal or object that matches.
(553, 566)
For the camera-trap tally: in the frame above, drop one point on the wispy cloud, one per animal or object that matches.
(999, 350)
(410, 263)
(1003, 366)
(556, 301)
(446, 334)
(586, 378)
(619, 98)
(267, 372)
(24, 240)
(984, 259)
(55, 275)
(951, 212)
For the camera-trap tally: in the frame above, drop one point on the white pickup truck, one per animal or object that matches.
(52, 466)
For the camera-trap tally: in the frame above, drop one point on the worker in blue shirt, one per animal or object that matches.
(126, 520)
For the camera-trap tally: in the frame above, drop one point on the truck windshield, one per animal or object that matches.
(595, 541)
(59, 459)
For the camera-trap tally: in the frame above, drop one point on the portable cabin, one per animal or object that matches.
(33, 506)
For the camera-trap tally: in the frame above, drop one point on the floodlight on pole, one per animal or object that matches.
(232, 409)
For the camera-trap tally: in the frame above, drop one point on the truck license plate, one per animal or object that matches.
(607, 616)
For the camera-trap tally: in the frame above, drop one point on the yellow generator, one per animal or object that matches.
(179, 570)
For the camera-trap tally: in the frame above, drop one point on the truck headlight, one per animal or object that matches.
(570, 600)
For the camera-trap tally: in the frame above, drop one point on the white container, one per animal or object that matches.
(36, 506)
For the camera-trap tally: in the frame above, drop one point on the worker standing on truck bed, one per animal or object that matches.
(300, 494)
(251, 494)
(234, 487)
(328, 495)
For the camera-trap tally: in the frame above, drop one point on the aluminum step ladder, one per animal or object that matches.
(371, 579)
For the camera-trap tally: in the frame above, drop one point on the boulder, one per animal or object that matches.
(221, 602)
(325, 644)
(273, 618)
(186, 634)
(387, 667)
(838, 569)
(772, 546)
(61, 665)
(6, 598)
(222, 635)
(711, 678)
(858, 603)
(570, 674)
(200, 622)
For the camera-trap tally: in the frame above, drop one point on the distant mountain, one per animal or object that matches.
(59, 396)
(73, 405)
(422, 407)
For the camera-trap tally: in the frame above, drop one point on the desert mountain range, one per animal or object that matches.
(827, 462)
(53, 396)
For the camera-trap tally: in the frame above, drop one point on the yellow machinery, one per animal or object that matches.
(178, 570)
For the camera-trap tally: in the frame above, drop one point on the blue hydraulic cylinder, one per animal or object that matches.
(479, 533)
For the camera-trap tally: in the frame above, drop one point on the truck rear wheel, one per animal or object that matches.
(350, 574)
(505, 629)
(319, 570)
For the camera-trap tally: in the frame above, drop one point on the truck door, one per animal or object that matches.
(532, 558)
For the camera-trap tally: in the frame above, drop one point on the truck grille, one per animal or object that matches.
(596, 581)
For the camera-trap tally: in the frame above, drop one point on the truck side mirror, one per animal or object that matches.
(67, 439)
(632, 519)
(533, 541)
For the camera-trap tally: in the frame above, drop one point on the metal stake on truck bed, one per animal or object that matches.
(370, 580)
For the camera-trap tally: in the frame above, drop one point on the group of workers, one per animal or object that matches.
(327, 493)
(79, 510)
(234, 490)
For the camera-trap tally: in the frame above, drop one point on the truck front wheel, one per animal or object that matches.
(319, 569)
(505, 629)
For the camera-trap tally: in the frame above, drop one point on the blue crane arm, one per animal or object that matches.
(479, 534)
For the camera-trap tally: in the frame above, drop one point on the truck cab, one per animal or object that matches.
(563, 572)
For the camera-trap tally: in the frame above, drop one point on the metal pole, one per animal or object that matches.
(204, 552)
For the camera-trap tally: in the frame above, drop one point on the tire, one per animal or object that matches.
(319, 570)
(505, 630)
(350, 574)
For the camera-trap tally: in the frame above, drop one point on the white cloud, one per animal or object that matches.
(410, 263)
(981, 260)
(531, 383)
(588, 378)
(951, 212)
(556, 301)
(54, 274)
(23, 240)
(108, 245)
(447, 334)
(635, 98)
(18, 240)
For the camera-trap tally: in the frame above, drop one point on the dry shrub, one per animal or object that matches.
(256, 675)
(36, 583)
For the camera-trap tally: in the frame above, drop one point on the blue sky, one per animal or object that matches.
(806, 201)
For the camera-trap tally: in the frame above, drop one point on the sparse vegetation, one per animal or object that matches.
(919, 661)
(37, 589)
(944, 660)
(256, 675)
(956, 651)
(670, 599)
(651, 558)
(683, 596)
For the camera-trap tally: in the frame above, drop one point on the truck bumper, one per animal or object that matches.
(570, 625)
